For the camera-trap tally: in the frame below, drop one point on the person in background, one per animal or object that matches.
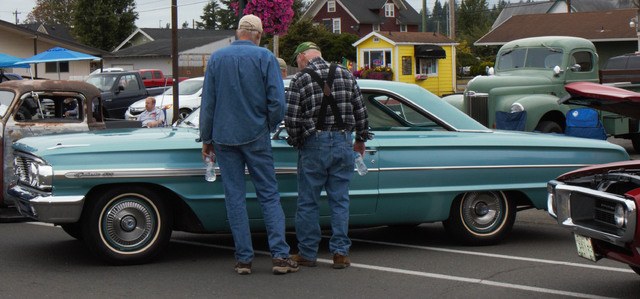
(70, 107)
(152, 116)
(242, 101)
(323, 138)
(283, 67)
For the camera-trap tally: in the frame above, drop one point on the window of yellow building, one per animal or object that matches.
(373, 58)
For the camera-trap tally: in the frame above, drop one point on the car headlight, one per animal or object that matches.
(619, 216)
(517, 107)
(37, 175)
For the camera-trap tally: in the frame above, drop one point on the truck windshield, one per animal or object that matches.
(102, 81)
(5, 100)
(535, 58)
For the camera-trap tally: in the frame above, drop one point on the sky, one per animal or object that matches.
(154, 13)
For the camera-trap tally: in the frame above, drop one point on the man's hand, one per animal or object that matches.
(359, 147)
(207, 151)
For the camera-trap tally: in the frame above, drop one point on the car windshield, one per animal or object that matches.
(537, 58)
(103, 81)
(187, 87)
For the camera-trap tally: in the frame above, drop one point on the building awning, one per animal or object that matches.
(429, 51)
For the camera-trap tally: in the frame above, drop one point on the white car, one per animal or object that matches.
(189, 99)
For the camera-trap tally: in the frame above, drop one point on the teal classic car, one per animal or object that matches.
(124, 191)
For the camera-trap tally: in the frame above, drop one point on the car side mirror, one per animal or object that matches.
(491, 71)
(120, 88)
(557, 70)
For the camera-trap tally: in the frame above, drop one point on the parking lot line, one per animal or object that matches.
(425, 274)
(493, 255)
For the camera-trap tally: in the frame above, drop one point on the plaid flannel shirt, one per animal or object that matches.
(304, 99)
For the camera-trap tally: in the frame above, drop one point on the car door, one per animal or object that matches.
(363, 190)
(127, 91)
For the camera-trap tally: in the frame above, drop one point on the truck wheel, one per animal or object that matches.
(635, 140)
(127, 225)
(480, 218)
(549, 127)
(73, 229)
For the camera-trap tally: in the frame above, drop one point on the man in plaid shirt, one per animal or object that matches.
(324, 107)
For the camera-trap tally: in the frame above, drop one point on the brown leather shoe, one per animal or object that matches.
(340, 261)
(303, 261)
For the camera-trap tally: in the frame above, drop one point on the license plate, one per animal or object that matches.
(585, 247)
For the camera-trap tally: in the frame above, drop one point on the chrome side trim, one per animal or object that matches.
(185, 172)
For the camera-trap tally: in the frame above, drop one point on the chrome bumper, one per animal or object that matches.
(581, 210)
(45, 207)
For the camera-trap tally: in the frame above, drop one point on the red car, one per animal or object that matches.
(600, 203)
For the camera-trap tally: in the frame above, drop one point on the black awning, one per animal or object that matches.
(429, 51)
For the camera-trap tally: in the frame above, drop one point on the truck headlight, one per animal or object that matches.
(39, 176)
(619, 216)
(516, 107)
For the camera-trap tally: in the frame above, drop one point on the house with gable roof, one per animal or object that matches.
(608, 30)
(360, 17)
(423, 58)
(150, 48)
(27, 40)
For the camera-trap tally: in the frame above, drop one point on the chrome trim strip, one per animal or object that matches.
(57, 146)
(185, 172)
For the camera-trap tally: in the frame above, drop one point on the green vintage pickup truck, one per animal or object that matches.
(529, 80)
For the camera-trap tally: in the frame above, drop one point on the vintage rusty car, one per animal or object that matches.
(600, 203)
(123, 192)
(45, 107)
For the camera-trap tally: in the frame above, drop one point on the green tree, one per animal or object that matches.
(104, 24)
(226, 17)
(209, 16)
(52, 12)
(334, 46)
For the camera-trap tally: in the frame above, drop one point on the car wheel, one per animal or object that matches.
(127, 225)
(549, 127)
(183, 113)
(480, 218)
(73, 229)
(635, 269)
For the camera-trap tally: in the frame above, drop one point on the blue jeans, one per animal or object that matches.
(258, 157)
(326, 161)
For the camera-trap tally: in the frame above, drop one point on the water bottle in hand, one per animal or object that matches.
(210, 172)
(360, 166)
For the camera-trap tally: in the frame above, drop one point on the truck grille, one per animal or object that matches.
(477, 106)
(21, 171)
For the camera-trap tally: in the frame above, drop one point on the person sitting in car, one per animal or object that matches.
(152, 116)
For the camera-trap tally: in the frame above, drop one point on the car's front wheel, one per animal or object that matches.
(127, 225)
(480, 218)
(549, 127)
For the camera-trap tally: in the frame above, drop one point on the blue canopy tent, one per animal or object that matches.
(12, 61)
(57, 54)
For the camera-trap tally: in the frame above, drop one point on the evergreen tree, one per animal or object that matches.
(209, 16)
(226, 17)
(104, 24)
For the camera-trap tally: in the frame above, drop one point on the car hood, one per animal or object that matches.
(509, 79)
(603, 97)
(103, 142)
(600, 168)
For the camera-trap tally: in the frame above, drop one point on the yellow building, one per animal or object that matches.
(424, 58)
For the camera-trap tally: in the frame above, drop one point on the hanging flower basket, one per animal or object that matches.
(377, 73)
(421, 77)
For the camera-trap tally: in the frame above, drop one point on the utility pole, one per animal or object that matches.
(452, 20)
(174, 59)
(16, 13)
(424, 15)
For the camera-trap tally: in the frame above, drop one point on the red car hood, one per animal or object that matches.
(600, 168)
(603, 97)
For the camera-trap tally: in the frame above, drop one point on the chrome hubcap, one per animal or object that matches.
(481, 212)
(128, 224)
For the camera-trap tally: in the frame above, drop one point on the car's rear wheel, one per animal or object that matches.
(127, 225)
(481, 218)
(73, 229)
(548, 126)
(183, 113)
